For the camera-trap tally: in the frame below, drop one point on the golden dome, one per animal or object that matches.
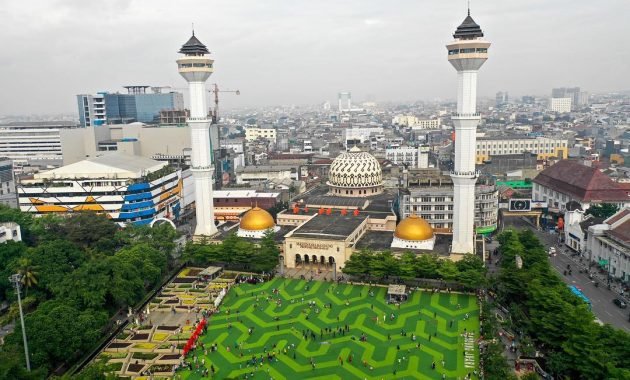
(414, 228)
(257, 219)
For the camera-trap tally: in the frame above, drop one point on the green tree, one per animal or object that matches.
(408, 265)
(266, 258)
(602, 210)
(448, 270)
(426, 266)
(28, 271)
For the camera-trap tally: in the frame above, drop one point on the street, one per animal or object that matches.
(601, 298)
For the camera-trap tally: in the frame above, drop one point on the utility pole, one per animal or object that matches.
(16, 280)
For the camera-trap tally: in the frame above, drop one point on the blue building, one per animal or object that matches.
(136, 105)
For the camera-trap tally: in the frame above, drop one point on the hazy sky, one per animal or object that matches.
(305, 51)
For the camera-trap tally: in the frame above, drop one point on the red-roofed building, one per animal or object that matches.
(568, 181)
(608, 245)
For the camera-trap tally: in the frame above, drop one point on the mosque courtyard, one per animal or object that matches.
(297, 329)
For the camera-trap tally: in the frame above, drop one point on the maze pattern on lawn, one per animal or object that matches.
(424, 314)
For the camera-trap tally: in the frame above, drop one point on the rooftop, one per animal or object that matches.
(581, 182)
(468, 29)
(194, 47)
(114, 166)
(333, 227)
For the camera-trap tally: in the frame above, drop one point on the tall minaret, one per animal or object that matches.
(466, 53)
(196, 68)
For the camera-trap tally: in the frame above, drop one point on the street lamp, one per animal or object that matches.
(16, 280)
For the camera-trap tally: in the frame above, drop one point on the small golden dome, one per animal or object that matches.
(414, 228)
(257, 219)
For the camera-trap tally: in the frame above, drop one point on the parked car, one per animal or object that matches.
(620, 303)
(552, 251)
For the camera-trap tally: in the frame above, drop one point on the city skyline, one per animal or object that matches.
(280, 53)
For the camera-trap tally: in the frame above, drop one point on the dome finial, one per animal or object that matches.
(468, 8)
(193, 25)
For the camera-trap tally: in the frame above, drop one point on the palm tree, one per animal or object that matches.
(28, 273)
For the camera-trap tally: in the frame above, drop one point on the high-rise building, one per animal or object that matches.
(345, 101)
(501, 98)
(467, 53)
(578, 97)
(136, 105)
(196, 68)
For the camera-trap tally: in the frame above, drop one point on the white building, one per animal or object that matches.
(137, 139)
(360, 135)
(543, 147)
(8, 194)
(254, 174)
(560, 105)
(416, 123)
(10, 231)
(467, 53)
(411, 156)
(36, 144)
(422, 124)
(345, 101)
(576, 224)
(128, 189)
(254, 133)
(608, 245)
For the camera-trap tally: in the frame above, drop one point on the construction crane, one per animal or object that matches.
(215, 90)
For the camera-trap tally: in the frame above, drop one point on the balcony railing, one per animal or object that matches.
(463, 115)
(474, 173)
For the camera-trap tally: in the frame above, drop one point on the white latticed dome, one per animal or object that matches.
(355, 173)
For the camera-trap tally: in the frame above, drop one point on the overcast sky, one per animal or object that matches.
(305, 51)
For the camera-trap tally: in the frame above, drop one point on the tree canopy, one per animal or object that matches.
(602, 210)
(542, 307)
(78, 271)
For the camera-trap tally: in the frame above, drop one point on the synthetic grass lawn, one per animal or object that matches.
(424, 314)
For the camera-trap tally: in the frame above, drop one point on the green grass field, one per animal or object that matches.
(386, 350)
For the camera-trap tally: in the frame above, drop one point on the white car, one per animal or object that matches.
(552, 251)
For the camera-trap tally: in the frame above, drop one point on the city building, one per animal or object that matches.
(254, 133)
(422, 124)
(261, 173)
(501, 98)
(10, 231)
(128, 189)
(231, 204)
(467, 53)
(8, 193)
(608, 245)
(33, 145)
(568, 181)
(136, 105)
(416, 123)
(359, 135)
(578, 97)
(411, 157)
(544, 147)
(434, 203)
(195, 67)
(576, 224)
(344, 100)
(560, 105)
(166, 143)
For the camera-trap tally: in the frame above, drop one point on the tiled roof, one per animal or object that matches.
(621, 232)
(580, 182)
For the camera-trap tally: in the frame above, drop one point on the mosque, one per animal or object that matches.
(352, 211)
